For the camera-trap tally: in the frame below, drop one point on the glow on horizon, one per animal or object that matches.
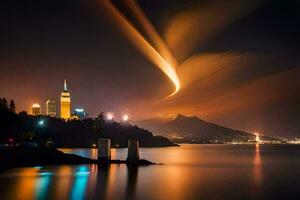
(125, 117)
(110, 116)
(257, 137)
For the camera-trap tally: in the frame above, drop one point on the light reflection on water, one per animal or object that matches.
(80, 183)
(189, 172)
(42, 185)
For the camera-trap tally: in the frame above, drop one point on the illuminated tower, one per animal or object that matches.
(51, 108)
(65, 103)
(36, 109)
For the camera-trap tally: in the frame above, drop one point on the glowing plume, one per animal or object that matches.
(142, 44)
(158, 42)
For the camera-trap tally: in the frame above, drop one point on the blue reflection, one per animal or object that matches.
(45, 174)
(81, 180)
(82, 170)
(42, 185)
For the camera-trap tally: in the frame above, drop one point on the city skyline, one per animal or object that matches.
(65, 109)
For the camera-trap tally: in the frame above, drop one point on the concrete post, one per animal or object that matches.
(103, 150)
(133, 151)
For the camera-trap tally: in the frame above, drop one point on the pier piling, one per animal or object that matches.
(104, 154)
(133, 151)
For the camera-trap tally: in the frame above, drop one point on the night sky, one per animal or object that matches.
(239, 60)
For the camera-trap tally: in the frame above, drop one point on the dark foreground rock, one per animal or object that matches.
(22, 157)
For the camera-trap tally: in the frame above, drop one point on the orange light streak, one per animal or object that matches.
(142, 44)
(158, 42)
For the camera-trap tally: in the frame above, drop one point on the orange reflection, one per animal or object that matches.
(111, 181)
(173, 182)
(113, 153)
(25, 187)
(94, 153)
(92, 180)
(257, 166)
(64, 182)
(116, 180)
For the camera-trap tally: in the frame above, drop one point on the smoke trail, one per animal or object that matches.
(142, 44)
(192, 27)
(182, 34)
(152, 33)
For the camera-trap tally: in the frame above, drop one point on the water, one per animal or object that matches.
(189, 172)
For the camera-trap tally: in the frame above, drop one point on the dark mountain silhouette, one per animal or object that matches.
(193, 129)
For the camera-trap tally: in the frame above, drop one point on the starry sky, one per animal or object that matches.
(239, 63)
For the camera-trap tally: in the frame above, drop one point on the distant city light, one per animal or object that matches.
(79, 109)
(109, 116)
(256, 136)
(41, 122)
(36, 105)
(80, 113)
(125, 118)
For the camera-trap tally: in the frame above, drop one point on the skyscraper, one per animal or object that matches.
(51, 108)
(65, 103)
(36, 109)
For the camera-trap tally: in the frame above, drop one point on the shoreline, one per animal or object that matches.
(14, 157)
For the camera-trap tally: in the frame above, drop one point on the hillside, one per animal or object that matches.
(193, 129)
(16, 128)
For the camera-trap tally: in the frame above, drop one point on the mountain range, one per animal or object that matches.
(192, 129)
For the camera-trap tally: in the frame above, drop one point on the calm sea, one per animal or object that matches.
(188, 172)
